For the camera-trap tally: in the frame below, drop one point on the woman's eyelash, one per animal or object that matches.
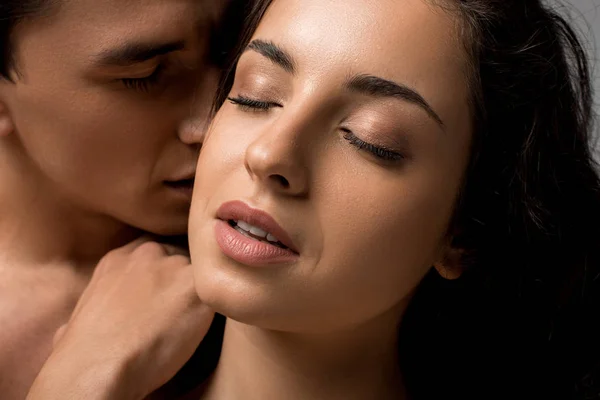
(379, 152)
(146, 83)
(248, 104)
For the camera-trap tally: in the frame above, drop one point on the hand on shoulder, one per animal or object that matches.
(136, 324)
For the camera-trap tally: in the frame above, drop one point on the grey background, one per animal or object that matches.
(586, 15)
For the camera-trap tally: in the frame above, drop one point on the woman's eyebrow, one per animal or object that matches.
(133, 53)
(379, 87)
(365, 84)
(274, 53)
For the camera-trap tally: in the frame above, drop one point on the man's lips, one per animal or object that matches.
(182, 183)
(184, 186)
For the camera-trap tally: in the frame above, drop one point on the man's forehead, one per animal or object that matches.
(140, 11)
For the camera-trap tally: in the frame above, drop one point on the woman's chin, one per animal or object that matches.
(240, 300)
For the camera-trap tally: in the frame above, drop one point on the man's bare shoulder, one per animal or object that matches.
(34, 303)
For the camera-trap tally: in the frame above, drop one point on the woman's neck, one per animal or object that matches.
(39, 226)
(356, 364)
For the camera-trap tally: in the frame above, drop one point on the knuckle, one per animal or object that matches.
(110, 258)
(113, 254)
(175, 250)
(149, 250)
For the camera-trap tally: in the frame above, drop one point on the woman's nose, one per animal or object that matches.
(277, 162)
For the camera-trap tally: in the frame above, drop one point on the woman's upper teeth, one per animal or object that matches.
(256, 231)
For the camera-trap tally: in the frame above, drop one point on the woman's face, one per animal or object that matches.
(101, 89)
(348, 124)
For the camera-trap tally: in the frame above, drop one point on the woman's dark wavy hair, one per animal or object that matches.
(522, 321)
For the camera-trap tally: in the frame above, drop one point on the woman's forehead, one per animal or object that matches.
(388, 34)
(411, 42)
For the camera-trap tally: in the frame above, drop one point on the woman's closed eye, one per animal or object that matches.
(252, 105)
(380, 152)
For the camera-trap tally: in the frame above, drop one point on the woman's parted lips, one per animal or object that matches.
(240, 211)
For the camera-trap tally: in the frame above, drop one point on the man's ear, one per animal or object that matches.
(7, 125)
(451, 265)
